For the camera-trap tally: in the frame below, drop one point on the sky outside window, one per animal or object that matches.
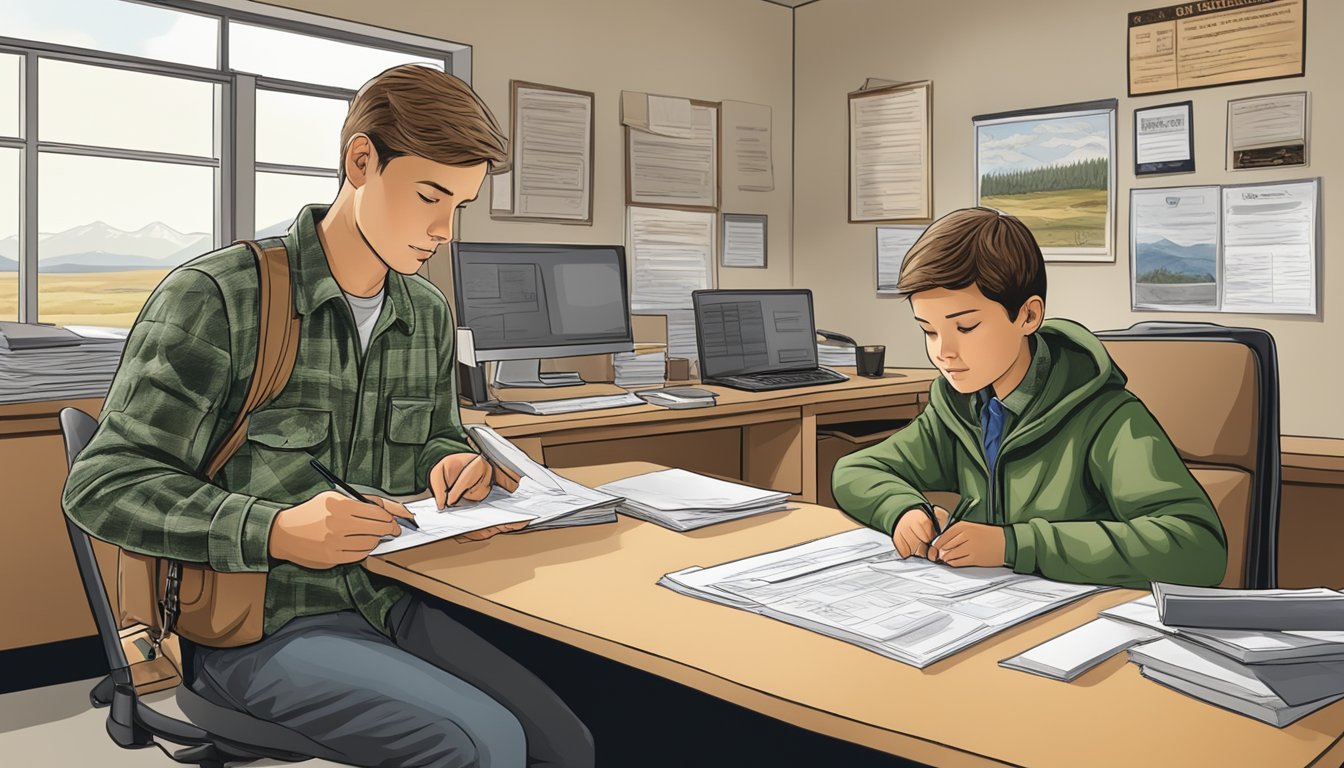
(107, 107)
(306, 59)
(281, 195)
(118, 27)
(299, 130)
(11, 160)
(11, 95)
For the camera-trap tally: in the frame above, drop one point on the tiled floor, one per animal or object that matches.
(55, 727)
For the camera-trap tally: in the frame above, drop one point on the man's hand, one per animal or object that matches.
(331, 529)
(914, 531)
(970, 544)
(468, 476)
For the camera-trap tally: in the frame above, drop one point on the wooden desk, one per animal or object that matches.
(1310, 521)
(768, 439)
(40, 590)
(595, 588)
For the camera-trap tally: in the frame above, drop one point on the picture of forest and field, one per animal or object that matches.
(1053, 173)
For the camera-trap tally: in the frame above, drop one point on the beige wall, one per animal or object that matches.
(986, 57)
(703, 49)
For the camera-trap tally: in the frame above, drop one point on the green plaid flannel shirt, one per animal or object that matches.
(380, 421)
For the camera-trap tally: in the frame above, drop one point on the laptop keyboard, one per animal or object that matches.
(785, 379)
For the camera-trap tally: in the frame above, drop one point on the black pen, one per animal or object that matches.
(937, 530)
(345, 488)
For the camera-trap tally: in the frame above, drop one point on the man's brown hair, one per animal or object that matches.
(981, 246)
(417, 110)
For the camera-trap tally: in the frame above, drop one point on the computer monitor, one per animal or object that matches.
(525, 302)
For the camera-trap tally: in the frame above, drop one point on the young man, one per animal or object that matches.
(1061, 470)
(352, 660)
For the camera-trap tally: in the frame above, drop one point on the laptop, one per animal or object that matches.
(758, 340)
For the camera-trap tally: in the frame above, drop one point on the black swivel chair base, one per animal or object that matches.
(216, 735)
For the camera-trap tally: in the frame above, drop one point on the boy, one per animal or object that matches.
(1061, 471)
(352, 660)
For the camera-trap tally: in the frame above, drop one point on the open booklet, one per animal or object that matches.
(543, 500)
(854, 587)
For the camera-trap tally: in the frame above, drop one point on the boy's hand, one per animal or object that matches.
(468, 476)
(969, 544)
(914, 531)
(331, 529)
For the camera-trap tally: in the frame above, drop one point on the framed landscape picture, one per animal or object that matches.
(1053, 168)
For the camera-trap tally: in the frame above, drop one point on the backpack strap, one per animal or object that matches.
(277, 346)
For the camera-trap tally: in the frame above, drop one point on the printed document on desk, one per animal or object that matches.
(854, 587)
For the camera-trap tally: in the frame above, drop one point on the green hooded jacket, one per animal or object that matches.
(1088, 486)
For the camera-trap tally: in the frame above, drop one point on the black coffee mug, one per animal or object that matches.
(870, 360)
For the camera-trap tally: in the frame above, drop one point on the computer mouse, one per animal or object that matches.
(688, 392)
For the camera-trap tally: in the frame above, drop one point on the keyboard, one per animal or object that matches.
(571, 404)
(760, 382)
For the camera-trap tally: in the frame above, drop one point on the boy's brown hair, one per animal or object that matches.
(981, 246)
(417, 110)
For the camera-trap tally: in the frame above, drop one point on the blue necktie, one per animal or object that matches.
(991, 424)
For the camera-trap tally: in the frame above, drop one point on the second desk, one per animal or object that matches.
(766, 439)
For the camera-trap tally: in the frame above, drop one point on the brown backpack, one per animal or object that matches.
(168, 597)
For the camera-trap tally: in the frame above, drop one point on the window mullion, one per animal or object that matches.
(28, 195)
(225, 180)
(244, 166)
(295, 170)
(119, 153)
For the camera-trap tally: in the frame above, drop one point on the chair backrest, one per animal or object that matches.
(1214, 390)
(77, 428)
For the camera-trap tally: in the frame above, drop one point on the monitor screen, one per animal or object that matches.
(754, 331)
(530, 301)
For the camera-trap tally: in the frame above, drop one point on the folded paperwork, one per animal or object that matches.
(683, 500)
(1316, 609)
(1074, 652)
(542, 500)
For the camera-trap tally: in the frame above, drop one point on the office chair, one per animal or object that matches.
(1215, 391)
(216, 735)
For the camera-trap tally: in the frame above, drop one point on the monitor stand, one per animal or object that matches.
(527, 373)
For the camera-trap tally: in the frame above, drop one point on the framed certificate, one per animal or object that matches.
(1164, 139)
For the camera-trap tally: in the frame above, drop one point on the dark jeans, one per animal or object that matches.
(433, 694)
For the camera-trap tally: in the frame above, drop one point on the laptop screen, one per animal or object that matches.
(754, 331)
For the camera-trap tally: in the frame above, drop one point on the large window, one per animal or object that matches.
(135, 136)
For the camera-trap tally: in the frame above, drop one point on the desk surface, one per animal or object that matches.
(595, 588)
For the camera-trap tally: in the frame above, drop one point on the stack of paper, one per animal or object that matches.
(1275, 677)
(543, 500)
(681, 338)
(645, 367)
(47, 363)
(834, 355)
(854, 587)
(1277, 694)
(684, 501)
(1273, 609)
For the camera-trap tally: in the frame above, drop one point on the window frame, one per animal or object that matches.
(235, 128)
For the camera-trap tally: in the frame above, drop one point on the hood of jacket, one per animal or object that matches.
(1080, 370)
